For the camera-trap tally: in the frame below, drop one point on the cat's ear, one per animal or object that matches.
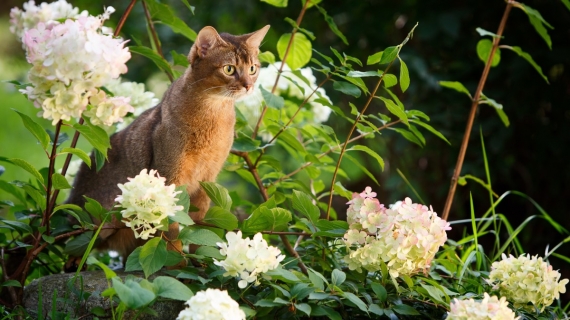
(206, 40)
(256, 37)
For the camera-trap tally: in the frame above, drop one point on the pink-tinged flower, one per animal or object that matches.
(367, 193)
(490, 308)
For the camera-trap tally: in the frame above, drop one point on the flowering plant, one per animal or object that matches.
(526, 280)
(146, 202)
(406, 236)
(211, 304)
(490, 308)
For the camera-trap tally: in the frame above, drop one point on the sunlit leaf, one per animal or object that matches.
(484, 47)
(299, 53)
(528, 58)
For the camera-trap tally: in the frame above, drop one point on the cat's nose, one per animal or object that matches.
(248, 86)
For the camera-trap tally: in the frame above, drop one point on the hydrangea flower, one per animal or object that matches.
(247, 258)
(70, 61)
(211, 304)
(251, 106)
(107, 110)
(48, 13)
(490, 308)
(525, 279)
(406, 236)
(140, 99)
(146, 202)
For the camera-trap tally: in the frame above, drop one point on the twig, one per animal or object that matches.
(471, 119)
(299, 19)
(52, 157)
(154, 36)
(124, 18)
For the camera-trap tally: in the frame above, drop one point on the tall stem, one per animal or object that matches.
(471, 119)
(155, 39)
(52, 157)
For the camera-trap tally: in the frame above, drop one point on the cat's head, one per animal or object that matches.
(225, 65)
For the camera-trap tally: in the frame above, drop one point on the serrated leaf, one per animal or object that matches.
(395, 110)
(356, 300)
(218, 194)
(170, 288)
(404, 76)
(35, 129)
(59, 182)
(303, 203)
(484, 47)
(221, 218)
(300, 51)
(152, 256)
(529, 59)
(266, 57)
(455, 85)
(166, 15)
(28, 167)
(132, 294)
(332, 25)
(272, 101)
(347, 88)
(202, 237)
(265, 219)
(80, 153)
(369, 152)
(159, 61)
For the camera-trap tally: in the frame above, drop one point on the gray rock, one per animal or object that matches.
(78, 300)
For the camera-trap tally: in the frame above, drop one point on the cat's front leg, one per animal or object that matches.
(200, 200)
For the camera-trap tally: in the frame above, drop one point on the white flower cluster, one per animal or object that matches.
(70, 61)
(250, 105)
(47, 13)
(247, 258)
(406, 237)
(141, 100)
(525, 279)
(146, 202)
(490, 308)
(212, 304)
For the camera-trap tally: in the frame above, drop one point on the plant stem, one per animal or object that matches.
(154, 36)
(49, 199)
(124, 18)
(471, 118)
(343, 150)
(299, 20)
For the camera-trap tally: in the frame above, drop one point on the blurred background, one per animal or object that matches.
(532, 155)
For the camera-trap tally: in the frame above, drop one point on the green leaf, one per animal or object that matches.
(152, 256)
(337, 277)
(484, 47)
(497, 106)
(132, 294)
(538, 22)
(78, 245)
(404, 76)
(272, 101)
(277, 3)
(78, 152)
(389, 80)
(263, 218)
(455, 85)
(567, 4)
(430, 129)
(166, 15)
(11, 283)
(218, 194)
(356, 300)
(304, 204)
(483, 32)
(317, 279)
(191, 8)
(96, 136)
(529, 59)
(361, 167)
(304, 307)
(133, 263)
(35, 129)
(395, 110)
(20, 227)
(374, 308)
(370, 152)
(154, 57)
(389, 54)
(94, 208)
(332, 25)
(67, 206)
(300, 51)
(347, 88)
(221, 218)
(202, 237)
(245, 143)
(183, 218)
(294, 24)
(362, 74)
(375, 58)
(109, 274)
(267, 57)
(210, 252)
(179, 59)
(408, 135)
(380, 291)
(405, 310)
(28, 167)
(170, 288)
(59, 182)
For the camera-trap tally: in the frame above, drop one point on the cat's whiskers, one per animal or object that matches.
(215, 87)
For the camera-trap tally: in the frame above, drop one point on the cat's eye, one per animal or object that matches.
(229, 69)
(253, 69)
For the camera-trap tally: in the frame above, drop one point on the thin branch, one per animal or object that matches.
(155, 39)
(124, 18)
(471, 119)
(52, 157)
(299, 20)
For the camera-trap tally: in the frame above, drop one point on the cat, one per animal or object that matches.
(186, 137)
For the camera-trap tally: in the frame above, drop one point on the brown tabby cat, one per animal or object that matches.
(186, 138)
